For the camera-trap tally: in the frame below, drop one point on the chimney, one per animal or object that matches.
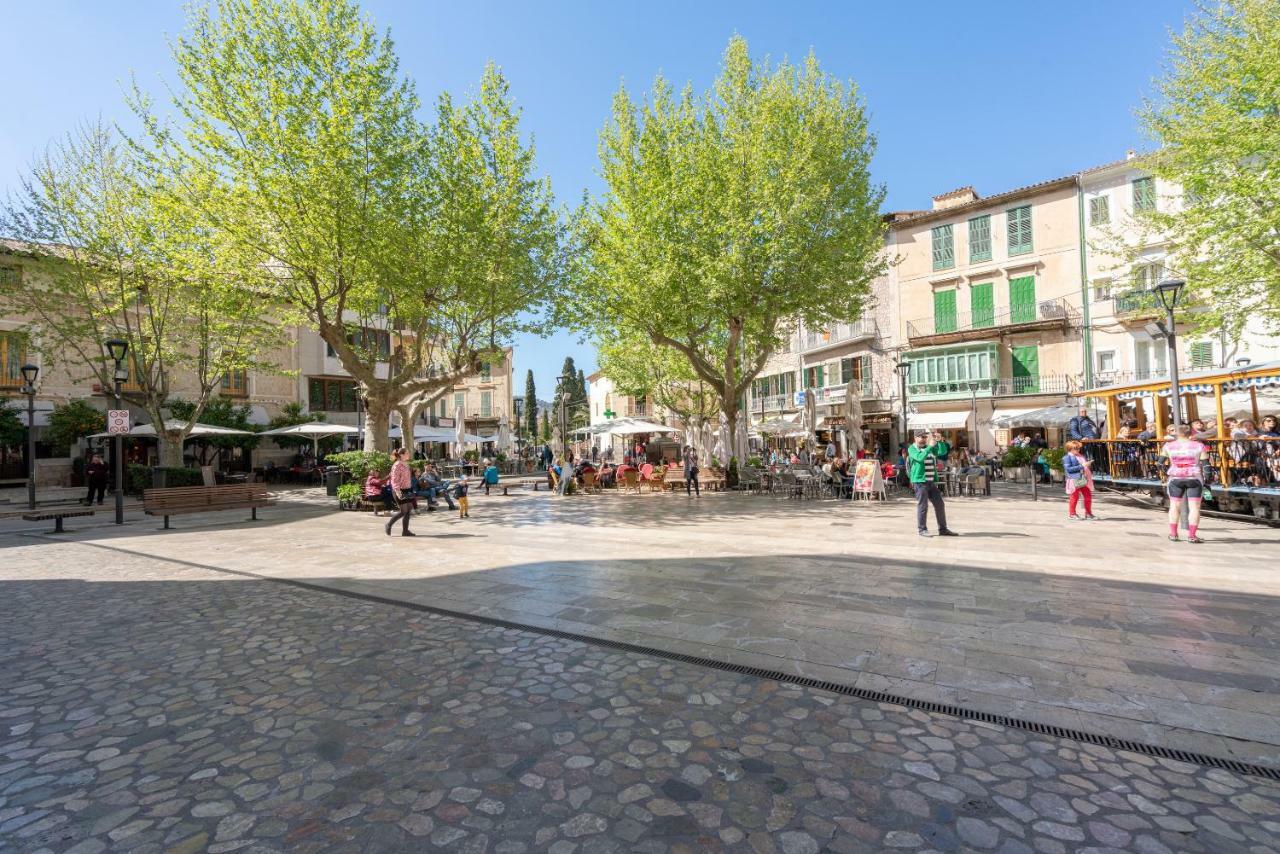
(954, 198)
(1128, 155)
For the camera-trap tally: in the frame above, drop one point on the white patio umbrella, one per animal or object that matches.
(723, 440)
(853, 417)
(740, 439)
(313, 430)
(810, 415)
(632, 426)
(504, 434)
(197, 430)
(460, 437)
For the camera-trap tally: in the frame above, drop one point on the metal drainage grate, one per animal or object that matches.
(1243, 768)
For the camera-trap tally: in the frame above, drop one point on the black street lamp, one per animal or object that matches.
(1168, 292)
(118, 349)
(903, 368)
(29, 374)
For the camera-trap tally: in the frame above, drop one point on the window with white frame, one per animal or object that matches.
(1101, 290)
(1106, 361)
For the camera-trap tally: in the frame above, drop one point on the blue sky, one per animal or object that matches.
(995, 94)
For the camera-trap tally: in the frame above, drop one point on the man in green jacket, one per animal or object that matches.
(922, 469)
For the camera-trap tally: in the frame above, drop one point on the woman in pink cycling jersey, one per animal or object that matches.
(1183, 481)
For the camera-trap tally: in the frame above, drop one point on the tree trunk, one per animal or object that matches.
(377, 423)
(170, 445)
(408, 415)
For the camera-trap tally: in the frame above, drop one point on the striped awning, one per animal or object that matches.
(1252, 382)
(1183, 388)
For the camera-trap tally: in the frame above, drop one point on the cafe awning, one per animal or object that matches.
(951, 420)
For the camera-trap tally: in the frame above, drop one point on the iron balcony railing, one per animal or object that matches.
(817, 339)
(992, 387)
(1141, 303)
(1051, 311)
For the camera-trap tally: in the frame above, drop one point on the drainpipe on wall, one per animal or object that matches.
(1086, 335)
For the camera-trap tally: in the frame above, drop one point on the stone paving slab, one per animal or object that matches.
(1106, 625)
(151, 706)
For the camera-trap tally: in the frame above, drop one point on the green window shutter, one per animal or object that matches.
(1026, 369)
(1022, 299)
(944, 311)
(980, 238)
(982, 305)
(944, 254)
(1144, 195)
(1019, 227)
(1099, 210)
(820, 373)
(864, 371)
(1202, 354)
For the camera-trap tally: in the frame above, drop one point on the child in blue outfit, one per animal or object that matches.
(460, 490)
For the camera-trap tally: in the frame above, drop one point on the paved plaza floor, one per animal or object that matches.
(159, 691)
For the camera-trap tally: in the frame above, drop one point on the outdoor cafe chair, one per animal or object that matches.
(631, 481)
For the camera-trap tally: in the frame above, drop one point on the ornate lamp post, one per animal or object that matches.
(903, 368)
(118, 349)
(1168, 292)
(29, 374)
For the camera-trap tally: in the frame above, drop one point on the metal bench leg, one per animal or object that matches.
(166, 523)
(253, 511)
(57, 524)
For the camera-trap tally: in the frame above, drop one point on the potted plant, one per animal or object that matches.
(349, 496)
(1017, 464)
(1053, 457)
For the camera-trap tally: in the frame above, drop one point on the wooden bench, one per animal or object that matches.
(204, 499)
(56, 515)
(530, 482)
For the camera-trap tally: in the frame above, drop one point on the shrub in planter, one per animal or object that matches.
(1018, 458)
(731, 475)
(755, 462)
(349, 495)
(471, 456)
(358, 464)
(1053, 456)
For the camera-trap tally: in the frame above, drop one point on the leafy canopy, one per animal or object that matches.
(1216, 118)
(727, 212)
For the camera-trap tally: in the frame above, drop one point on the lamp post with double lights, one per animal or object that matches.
(118, 349)
(903, 368)
(1168, 292)
(29, 374)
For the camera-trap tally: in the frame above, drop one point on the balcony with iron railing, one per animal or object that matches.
(815, 340)
(1136, 305)
(951, 389)
(772, 403)
(978, 325)
(1102, 379)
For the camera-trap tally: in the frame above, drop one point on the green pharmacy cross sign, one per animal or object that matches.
(608, 413)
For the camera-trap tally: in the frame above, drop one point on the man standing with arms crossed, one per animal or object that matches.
(922, 467)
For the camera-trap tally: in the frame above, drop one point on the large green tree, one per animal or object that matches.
(729, 212)
(412, 249)
(1216, 117)
(116, 255)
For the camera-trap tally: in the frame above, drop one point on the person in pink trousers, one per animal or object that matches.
(1079, 477)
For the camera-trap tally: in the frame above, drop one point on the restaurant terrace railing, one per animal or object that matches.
(992, 387)
(1244, 464)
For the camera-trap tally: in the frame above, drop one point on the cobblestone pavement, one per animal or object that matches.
(1106, 627)
(155, 707)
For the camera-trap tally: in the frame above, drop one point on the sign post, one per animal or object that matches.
(118, 422)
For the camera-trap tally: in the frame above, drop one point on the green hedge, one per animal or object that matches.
(139, 477)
